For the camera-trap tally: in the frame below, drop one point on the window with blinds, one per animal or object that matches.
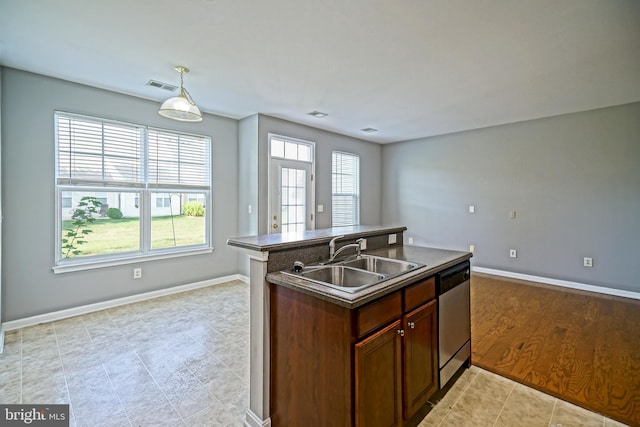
(176, 159)
(149, 190)
(93, 151)
(345, 189)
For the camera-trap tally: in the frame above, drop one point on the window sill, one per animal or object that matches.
(132, 259)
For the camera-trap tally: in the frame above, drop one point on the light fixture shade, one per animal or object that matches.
(179, 108)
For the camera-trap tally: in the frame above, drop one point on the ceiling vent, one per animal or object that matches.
(318, 114)
(160, 85)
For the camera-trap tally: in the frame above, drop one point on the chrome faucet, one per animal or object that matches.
(332, 247)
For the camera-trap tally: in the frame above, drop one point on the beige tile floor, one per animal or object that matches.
(182, 360)
(480, 398)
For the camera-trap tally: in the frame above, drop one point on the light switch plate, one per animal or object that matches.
(320, 208)
(392, 239)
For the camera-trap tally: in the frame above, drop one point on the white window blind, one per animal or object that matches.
(177, 159)
(345, 188)
(98, 151)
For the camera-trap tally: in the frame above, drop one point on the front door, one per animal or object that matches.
(291, 196)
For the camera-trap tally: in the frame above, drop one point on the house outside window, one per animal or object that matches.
(163, 201)
(145, 174)
(66, 200)
(345, 189)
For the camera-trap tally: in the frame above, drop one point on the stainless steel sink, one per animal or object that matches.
(385, 266)
(341, 277)
(354, 274)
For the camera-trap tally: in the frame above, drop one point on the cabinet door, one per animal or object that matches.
(420, 357)
(378, 378)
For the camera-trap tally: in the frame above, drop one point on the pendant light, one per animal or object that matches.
(181, 107)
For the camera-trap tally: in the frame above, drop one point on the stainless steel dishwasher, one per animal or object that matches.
(454, 320)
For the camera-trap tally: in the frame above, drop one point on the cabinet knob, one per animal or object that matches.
(412, 325)
(401, 332)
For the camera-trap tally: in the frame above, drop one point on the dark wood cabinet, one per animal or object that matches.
(378, 376)
(372, 366)
(420, 357)
(311, 361)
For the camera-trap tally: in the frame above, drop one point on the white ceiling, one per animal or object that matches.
(410, 68)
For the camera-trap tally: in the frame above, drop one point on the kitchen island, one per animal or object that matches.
(304, 335)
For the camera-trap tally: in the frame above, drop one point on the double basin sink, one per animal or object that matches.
(354, 274)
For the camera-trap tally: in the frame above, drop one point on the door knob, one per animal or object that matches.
(412, 325)
(275, 225)
(401, 332)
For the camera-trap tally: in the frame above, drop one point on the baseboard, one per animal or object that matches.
(252, 420)
(556, 282)
(1, 338)
(90, 308)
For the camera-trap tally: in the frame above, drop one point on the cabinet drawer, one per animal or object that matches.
(378, 313)
(419, 293)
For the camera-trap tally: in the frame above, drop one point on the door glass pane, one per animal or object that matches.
(304, 153)
(277, 148)
(291, 150)
(293, 190)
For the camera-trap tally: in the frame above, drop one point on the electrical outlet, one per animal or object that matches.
(392, 239)
(512, 214)
(588, 262)
(363, 244)
(472, 209)
(410, 240)
(137, 273)
(472, 248)
(513, 253)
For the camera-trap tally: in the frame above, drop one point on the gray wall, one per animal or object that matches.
(1, 292)
(248, 176)
(29, 285)
(253, 170)
(573, 180)
(326, 142)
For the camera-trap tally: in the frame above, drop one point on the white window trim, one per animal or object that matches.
(63, 265)
(131, 259)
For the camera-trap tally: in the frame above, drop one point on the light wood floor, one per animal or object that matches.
(578, 346)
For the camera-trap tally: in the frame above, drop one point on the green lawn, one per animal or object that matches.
(120, 235)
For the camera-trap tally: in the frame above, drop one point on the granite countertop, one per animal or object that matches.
(435, 260)
(279, 241)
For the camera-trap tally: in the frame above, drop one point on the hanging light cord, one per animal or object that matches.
(183, 91)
